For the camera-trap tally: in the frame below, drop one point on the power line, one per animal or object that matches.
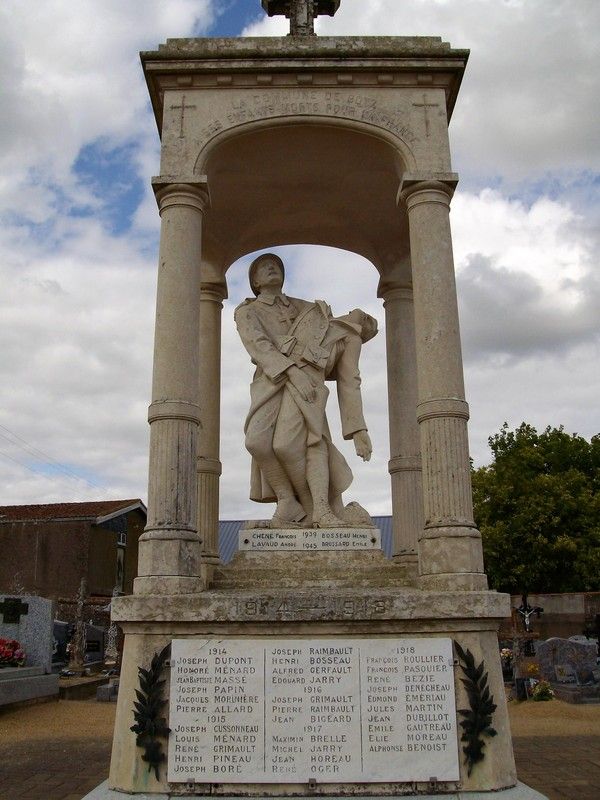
(35, 471)
(45, 457)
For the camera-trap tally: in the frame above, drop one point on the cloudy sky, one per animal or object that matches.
(79, 234)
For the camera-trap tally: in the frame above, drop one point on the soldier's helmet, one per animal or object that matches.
(261, 260)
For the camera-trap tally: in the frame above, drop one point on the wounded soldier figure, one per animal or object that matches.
(298, 345)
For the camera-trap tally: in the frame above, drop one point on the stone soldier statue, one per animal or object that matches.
(297, 345)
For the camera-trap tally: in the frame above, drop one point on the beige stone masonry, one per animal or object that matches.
(170, 545)
(209, 390)
(405, 451)
(471, 618)
(450, 552)
(340, 142)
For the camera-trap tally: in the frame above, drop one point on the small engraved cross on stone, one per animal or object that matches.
(182, 107)
(11, 609)
(301, 13)
(425, 105)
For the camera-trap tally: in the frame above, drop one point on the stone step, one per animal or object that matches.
(307, 570)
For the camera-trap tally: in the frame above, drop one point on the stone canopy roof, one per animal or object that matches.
(97, 512)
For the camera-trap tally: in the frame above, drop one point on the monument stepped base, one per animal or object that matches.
(518, 792)
(293, 569)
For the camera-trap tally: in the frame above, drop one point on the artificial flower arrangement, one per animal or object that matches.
(542, 691)
(11, 653)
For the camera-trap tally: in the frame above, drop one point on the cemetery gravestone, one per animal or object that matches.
(580, 657)
(565, 673)
(29, 620)
(569, 666)
(61, 639)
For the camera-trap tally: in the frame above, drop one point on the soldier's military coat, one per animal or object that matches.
(279, 332)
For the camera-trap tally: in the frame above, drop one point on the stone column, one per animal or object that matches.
(169, 549)
(450, 551)
(209, 466)
(405, 454)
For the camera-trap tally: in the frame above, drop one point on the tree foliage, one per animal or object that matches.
(538, 509)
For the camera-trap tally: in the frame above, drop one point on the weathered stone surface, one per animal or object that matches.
(321, 47)
(34, 630)
(518, 792)
(580, 656)
(480, 636)
(17, 688)
(296, 605)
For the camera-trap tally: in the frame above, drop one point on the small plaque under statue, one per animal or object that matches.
(295, 710)
(270, 539)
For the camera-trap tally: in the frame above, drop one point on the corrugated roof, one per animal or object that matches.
(57, 511)
(229, 529)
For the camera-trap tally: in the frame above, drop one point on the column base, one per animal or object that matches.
(169, 558)
(454, 582)
(518, 792)
(451, 558)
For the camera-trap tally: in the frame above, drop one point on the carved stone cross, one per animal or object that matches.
(425, 105)
(182, 107)
(301, 13)
(12, 608)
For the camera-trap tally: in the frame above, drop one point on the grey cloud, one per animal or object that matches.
(506, 313)
(528, 101)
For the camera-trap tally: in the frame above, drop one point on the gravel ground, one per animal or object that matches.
(63, 719)
(553, 718)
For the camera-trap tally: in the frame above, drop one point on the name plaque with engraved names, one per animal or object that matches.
(337, 710)
(269, 539)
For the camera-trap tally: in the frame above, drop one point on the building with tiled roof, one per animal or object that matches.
(47, 549)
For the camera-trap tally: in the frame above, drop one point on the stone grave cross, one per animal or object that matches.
(12, 608)
(301, 13)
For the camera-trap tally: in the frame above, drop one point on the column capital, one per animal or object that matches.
(181, 190)
(215, 292)
(393, 290)
(440, 185)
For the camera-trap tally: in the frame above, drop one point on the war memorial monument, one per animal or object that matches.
(311, 665)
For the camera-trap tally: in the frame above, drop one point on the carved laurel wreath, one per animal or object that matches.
(477, 719)
(149, 726)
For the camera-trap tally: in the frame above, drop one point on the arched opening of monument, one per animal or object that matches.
(345, 281)
(321, 182)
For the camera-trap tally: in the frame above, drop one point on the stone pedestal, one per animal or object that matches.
(350, 595)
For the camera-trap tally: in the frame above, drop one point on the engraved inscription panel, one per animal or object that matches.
(332, 710)
(393, 115)
(258, 539)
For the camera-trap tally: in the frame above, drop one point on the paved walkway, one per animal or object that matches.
(60, 768)
(563, 768)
